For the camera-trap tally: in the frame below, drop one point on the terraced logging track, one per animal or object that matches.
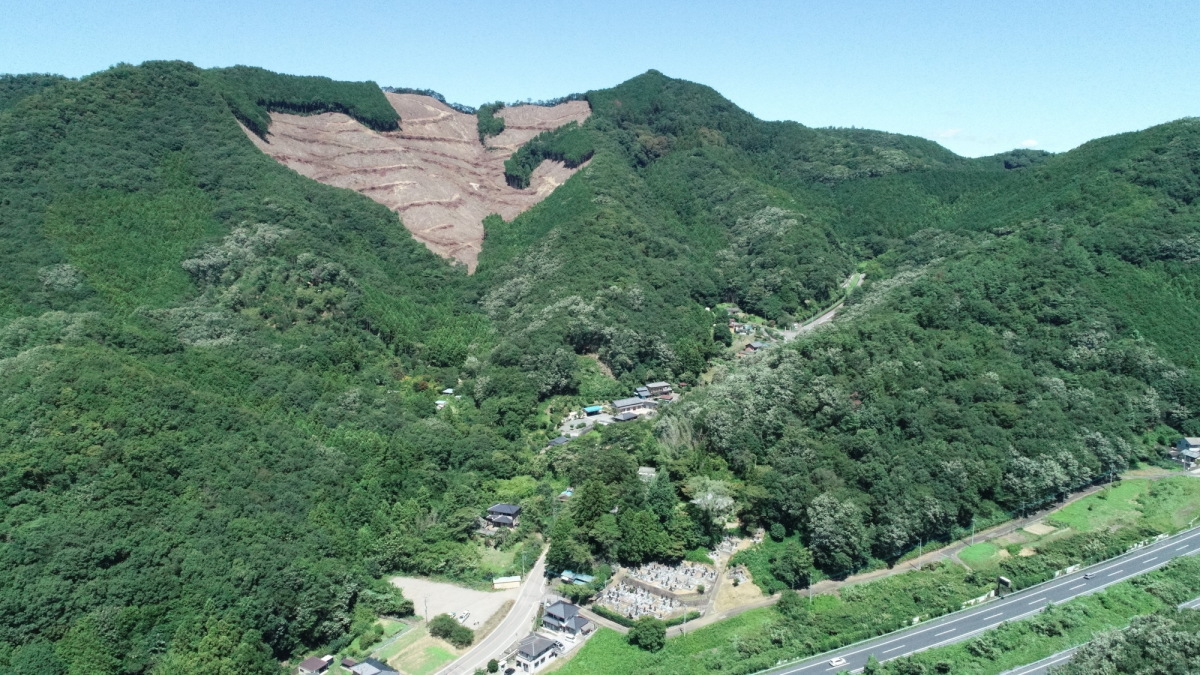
(433, 172)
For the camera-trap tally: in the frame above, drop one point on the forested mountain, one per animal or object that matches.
(218, 378)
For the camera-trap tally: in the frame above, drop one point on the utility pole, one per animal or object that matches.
(427, 609)
(523, 572)
(972, 530)
(920, 552)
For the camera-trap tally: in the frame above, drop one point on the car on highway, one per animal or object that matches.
(837, 661)
(1089, 575)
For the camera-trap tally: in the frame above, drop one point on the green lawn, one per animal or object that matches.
(1165, 505)
(402, 643)
(607, 652)
(978, 556)
(431, 660)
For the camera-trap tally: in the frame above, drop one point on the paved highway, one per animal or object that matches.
(967, 623)
(1043, 667)
(515, 626)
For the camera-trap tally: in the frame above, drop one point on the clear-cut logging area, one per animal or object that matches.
(433, 172)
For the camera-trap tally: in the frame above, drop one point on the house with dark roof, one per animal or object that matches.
(1187, 450)
(564, 617)
(625, 417)
(504, 515)
(314, 665)
(561, 440)
(372, 667)
(633, 405)
(658, 388)
(535, 651)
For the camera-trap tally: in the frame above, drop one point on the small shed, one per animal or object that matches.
(647, 473)
(561, 440)
(314, 665)
(593, 409)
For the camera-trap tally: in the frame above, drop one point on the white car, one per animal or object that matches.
(837, 661)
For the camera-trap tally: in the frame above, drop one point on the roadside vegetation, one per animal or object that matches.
(1060, 627)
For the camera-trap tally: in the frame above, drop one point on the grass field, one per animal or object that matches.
(407, 640)
(981, 555)
(1165, 505)
(607, 652)
(430, 660)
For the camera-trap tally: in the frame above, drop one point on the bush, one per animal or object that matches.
(446, 627)
(648, 633)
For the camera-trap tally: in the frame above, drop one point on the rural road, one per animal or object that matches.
(967, 623)
(515, 626)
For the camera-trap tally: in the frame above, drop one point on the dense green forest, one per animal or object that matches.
(218, 429)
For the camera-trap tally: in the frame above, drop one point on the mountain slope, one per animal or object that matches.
(220, 381)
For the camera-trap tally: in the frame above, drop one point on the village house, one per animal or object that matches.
(534, 652)
(647, 473)
(1189, 449)
(625, 417)
(633, 405)
(658, 388)
(504, 515)
(564, 617)
(314, 665)
(372, 667)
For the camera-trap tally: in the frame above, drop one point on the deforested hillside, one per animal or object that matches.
(434, 171)
(234, 399)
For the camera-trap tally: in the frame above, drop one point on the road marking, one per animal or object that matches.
(992, 616)
(1114, 573)
(1180, 548)
(1149, 559)
(944, 632)
(892, 649)
(1076, 586)
(1036, 601)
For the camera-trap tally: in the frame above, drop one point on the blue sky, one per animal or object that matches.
(978, 77)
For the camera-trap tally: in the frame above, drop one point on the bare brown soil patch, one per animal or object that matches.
(1039, 528)
(1026, 552)
(730, 596)
(433, 172)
